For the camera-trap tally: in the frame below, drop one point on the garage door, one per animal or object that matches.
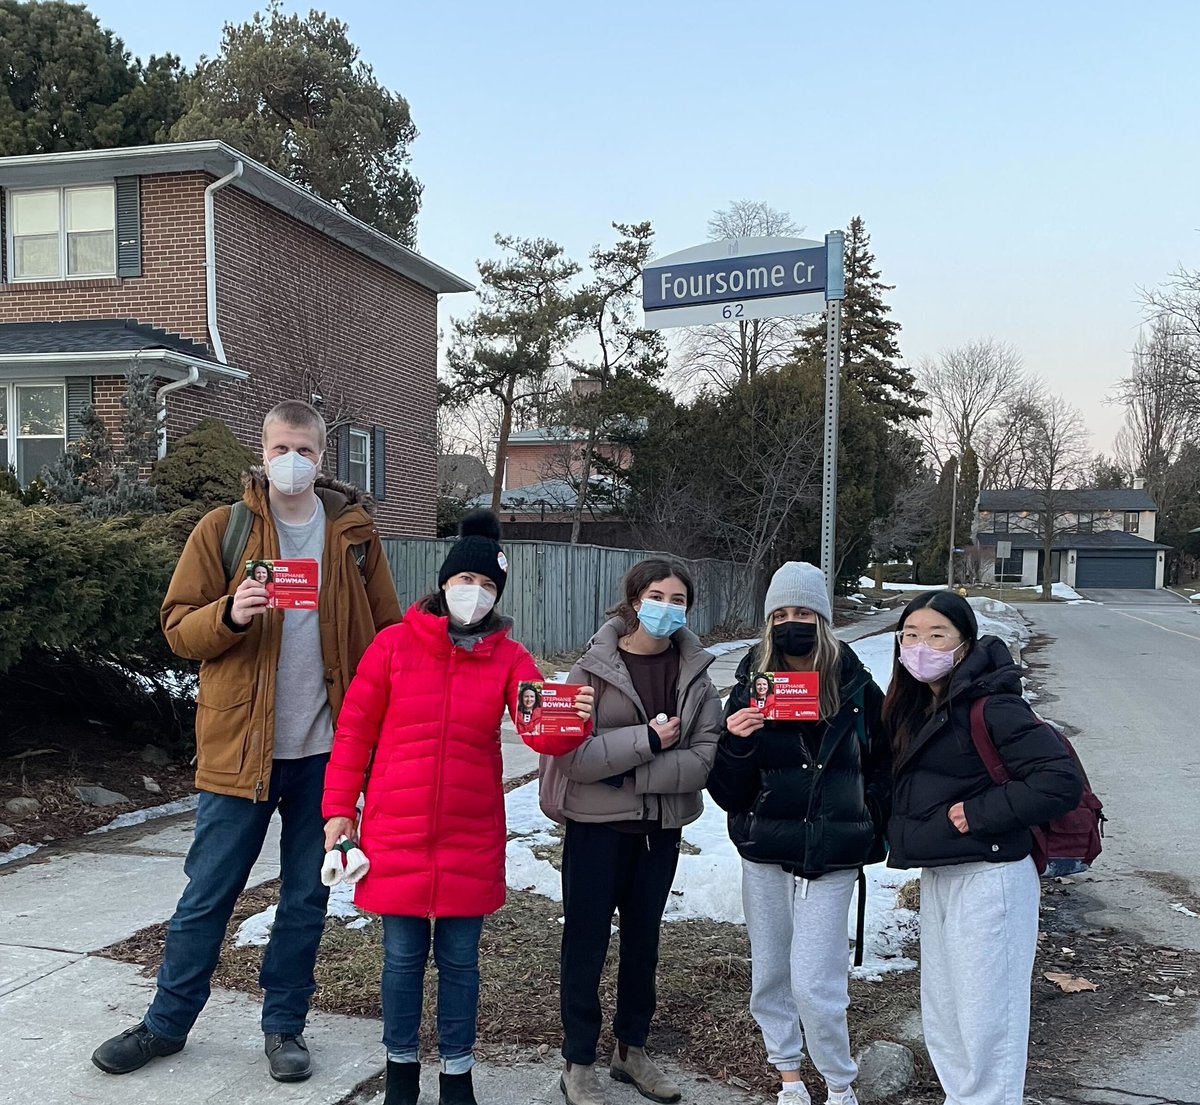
(1133, 570)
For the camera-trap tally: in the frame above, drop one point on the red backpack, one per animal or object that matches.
(1073, 836)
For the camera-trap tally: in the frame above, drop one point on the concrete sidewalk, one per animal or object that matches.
(59, 998)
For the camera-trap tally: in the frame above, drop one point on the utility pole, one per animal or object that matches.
(953, 519)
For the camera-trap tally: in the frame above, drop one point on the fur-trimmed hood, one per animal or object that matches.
(338, 495)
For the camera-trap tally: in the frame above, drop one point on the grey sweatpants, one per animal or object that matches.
(801, 967)
(979, 924)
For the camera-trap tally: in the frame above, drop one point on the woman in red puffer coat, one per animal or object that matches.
(423, 715)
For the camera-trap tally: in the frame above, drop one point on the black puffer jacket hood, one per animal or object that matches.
(810, 814)
(940, 767)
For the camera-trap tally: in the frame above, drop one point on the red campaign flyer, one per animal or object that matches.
(291, 584)
(786, 695)
(548, 710)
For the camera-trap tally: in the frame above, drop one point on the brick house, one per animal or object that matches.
(235, 288)
(1105, 539)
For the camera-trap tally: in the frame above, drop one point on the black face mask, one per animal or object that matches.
(795, 638)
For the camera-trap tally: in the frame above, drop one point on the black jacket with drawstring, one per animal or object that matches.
(810, 814)
(941, 767)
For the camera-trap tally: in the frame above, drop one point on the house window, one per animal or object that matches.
(360, 459)
(33, 427)
(1132, 521)
(1001, 522)
(63, 232)
(1086, 523)
(1010, 569)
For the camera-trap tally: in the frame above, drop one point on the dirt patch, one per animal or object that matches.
(47, 764)
(1174, 887)
(1144, 993)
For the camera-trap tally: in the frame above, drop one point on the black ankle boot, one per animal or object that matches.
(456, 1089)
(403, 1083)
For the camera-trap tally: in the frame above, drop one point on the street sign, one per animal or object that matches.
(741, 279)
(1003, 550)
(736, 280)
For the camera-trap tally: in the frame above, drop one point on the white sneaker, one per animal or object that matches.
(846, 1097)
(794, 1093)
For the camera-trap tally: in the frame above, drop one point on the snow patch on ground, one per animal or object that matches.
(140, 817)
(255, 930)
(18, 851)
(708, 885)
(868, 584)
(1063, 592)
(731, 646)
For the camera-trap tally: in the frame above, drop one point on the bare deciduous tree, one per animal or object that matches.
(1177, 303)
(968, 390)
(1054, 449)
(726, 354)
(1159, 416)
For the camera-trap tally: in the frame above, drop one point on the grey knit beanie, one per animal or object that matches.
(798, 584)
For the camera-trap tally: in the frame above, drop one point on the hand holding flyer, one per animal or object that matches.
(290, 584)
(786, 695)
(547, 718)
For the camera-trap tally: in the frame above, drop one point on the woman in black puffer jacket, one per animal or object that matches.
(979, 887)
(807, 801)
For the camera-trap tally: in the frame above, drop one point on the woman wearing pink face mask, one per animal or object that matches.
(971, 839)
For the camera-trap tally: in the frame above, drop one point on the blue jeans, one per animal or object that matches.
(456, 953)
(229, 837)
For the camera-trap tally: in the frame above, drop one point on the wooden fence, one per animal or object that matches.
(557, 594)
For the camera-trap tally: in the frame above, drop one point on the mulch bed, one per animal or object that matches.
(48, 762)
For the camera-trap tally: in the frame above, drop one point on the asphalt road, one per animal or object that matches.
(1124, 678)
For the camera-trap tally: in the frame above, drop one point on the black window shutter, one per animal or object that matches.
(379, 463)
(342, 444)
(79, 396)
(129, 227)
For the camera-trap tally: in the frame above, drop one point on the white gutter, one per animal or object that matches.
(115, 357)
(210, 257)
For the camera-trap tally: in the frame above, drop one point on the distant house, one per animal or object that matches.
(234, 288)
(462, 477)
(1105, 538)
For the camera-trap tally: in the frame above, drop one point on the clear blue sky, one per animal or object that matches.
(1022, 167)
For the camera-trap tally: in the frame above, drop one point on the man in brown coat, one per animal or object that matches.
(271, 685)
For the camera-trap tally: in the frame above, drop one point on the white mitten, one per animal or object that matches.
(344, 862)
(357, 863)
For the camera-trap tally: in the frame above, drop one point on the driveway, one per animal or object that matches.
(1134, 597)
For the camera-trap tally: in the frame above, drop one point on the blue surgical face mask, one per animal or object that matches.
(661, 619)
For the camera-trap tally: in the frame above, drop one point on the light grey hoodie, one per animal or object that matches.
(665, 786)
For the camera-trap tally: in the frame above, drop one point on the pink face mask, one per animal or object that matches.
(928, 665)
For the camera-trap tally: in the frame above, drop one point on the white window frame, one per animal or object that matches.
(365, 436)
(63, 275)
(1133, 521)
(13, 435)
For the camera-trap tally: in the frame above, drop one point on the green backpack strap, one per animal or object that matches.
(237, 535)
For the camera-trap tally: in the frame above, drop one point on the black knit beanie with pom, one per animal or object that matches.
(477, 550)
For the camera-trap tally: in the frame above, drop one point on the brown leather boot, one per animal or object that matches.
(634, 1066)
(579, 1084)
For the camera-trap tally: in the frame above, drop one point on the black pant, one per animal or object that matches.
(605, 870)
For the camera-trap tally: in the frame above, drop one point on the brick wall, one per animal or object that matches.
(533, 462)
(170, 292)
(302, 314)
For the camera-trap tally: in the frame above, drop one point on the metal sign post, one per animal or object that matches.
(1003, 552)
(835, 291)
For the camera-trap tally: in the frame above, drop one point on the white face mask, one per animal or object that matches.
(469, 603)
(291, 474)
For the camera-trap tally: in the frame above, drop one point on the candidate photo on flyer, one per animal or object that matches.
(528, 700)
(260, 571)
(763, 696)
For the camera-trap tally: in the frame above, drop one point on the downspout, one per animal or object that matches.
(210, 257)
(160, 398)
(210, 281)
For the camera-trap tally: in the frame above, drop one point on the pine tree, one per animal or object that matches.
(870, 354)
(203, 467)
